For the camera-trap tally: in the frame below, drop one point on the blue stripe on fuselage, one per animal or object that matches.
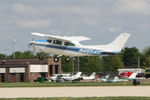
(60, 47)
(40, 40)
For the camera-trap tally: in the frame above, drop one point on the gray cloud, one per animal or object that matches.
(101, 20)
(133, 6)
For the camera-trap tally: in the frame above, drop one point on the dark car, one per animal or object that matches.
(140, 75)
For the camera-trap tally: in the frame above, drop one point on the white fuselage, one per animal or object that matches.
(77, 50)
(73, 77)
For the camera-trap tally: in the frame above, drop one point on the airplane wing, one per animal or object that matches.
(69, 38)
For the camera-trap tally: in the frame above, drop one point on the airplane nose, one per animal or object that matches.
(31, 43)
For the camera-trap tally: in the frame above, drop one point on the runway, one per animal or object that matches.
(74, 92)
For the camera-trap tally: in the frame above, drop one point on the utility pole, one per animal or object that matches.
(138, 62)
(78, 64)
(14, 41)
(73, 65)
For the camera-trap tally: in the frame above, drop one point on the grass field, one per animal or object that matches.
(69, 84)
(50, 84)
(86, 98)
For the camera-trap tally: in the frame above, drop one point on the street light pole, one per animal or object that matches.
(6, 50)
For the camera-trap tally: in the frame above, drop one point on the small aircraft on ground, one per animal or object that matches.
(73, 77)
(91, 77)
(112, 79)
(125, 74)
(70, 46)
(54, 77)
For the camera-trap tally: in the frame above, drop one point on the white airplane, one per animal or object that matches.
(70, 46)
(112, 79)
(73, 77)
(54, 77)
(91, 77)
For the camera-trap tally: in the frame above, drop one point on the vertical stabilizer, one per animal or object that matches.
(116, 45)
(78, 74)
(119, 42)
(93, 74)
(133, 75)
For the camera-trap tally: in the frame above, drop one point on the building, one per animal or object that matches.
(20, 70)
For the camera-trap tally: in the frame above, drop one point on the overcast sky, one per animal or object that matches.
(101, 20)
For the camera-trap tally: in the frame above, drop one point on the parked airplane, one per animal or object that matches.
(125, 74)
(73, 77)
(91, 77)
(55, 76)
(70, 46)
(112, 79)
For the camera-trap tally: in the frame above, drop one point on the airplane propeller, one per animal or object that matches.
(31, 44)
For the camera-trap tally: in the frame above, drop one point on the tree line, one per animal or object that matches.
(128, 58)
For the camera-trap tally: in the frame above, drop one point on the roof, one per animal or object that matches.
(23, 61)
(13, 63)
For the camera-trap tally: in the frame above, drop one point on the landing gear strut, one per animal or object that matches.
(41, 57)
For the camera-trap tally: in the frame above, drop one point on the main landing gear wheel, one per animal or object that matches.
(67, 59)
(56, 59)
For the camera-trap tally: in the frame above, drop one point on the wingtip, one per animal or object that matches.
(126, 34)
(37, 34)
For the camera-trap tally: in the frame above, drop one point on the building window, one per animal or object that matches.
(69, 44)
(56, 69)
(57, 42)
(22, 77)
(51, 69)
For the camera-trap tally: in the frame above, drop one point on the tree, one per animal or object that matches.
(2, 56)
(67, 66)
(130, 56)
(91, 64)
(28, 54)
(146, 52)
(39, 54)
(147, 62)
(112, 63)
(18, 54)
(25, 54)
(146, 57)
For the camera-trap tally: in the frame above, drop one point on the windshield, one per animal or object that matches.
(49, 40)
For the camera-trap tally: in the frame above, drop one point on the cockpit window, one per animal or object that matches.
(57, 42)
(69, 44)
(49, 40)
